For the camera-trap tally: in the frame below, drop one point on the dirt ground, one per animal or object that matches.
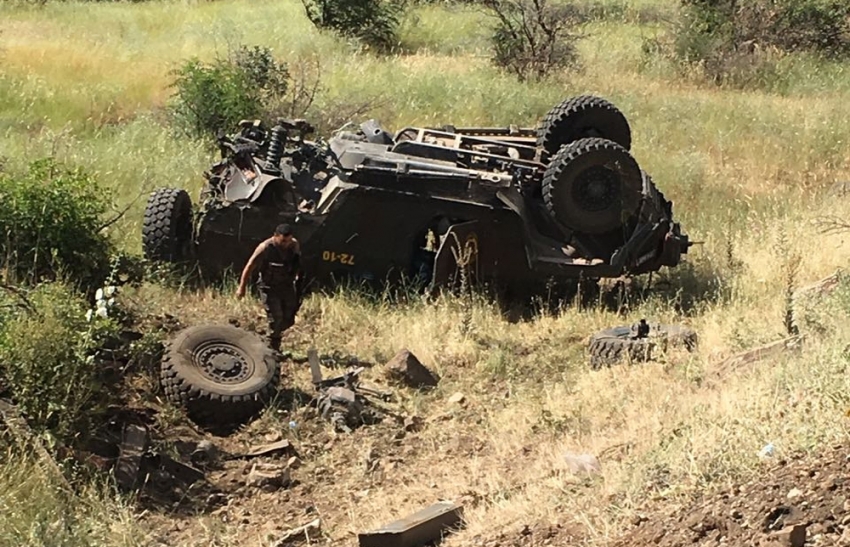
(804, 500)
(331, 476)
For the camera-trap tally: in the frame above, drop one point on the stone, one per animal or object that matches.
(792, 536)
(407, 369)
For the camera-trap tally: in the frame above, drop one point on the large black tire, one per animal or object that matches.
(167, 229)
(582, 117)
(592, 186)
(219, 374)
(618, 344)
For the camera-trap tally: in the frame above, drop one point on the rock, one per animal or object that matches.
(268, 477)
(457, 398)
(293, 462)
(406, 368)
(792, 536)
(795, 493)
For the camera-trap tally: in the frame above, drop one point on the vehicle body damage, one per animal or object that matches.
(515, 208)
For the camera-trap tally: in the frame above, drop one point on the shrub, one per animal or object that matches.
(374, 23)
(213, 97)
(532, 37)
(51, 224)
(733, 40)
(50, 352)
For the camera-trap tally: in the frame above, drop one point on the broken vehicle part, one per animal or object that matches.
(345, 409)
(219, 374)
(421, 528)
(520, 209)
(636, 343)
(282, 446)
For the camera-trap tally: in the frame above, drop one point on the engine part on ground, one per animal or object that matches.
(635, 343)
(219, 374)
(346, 409)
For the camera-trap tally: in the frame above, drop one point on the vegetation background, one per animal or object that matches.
(750, 138)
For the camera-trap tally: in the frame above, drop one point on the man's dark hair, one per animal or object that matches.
(283, 230)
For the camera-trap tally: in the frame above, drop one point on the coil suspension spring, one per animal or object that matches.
(276, 146)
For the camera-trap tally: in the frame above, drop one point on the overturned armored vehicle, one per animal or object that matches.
(515, 208)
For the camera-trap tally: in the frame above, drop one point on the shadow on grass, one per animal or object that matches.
(686, 288)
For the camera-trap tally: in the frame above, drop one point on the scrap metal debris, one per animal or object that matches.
(301, 533)
(730, 365)
(282, 446)
(420, 528)
(130, 458)
(138, 464)
(341, 400)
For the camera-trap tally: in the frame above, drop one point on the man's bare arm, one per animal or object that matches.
(249, 268)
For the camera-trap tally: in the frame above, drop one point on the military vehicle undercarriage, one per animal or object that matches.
(515, 208)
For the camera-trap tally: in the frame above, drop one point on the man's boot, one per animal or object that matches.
(274, 343)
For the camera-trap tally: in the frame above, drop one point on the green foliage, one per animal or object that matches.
(740, 41)
(51, 353)
(211, 98)
(51, 221)
(373, 23)
(532, 38)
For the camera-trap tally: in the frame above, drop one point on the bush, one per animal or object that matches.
(732, 40)
(51, 224)
(532, 37)
(374, 23)
(213, 97)
(50, 352)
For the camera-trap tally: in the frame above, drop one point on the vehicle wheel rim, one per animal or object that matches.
(596, 189)
(224, 363)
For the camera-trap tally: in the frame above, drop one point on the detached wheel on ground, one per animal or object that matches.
(167, 229)
(636, 343)
(582, 117)
(592, 186)
(220, 374)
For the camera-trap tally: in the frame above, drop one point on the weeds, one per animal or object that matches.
(743, 43)
(51, 362)
(51, 221)
(212, 98)
(373, 23)
(533, 38)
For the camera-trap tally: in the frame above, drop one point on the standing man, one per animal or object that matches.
(278, 259)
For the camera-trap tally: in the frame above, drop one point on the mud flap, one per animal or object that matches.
(457, 262)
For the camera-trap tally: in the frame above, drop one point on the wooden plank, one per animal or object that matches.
(422, 527)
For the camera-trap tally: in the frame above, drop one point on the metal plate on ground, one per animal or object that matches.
(420, 528)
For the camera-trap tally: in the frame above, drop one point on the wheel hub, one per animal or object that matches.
(596, 189)
(224, 363)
